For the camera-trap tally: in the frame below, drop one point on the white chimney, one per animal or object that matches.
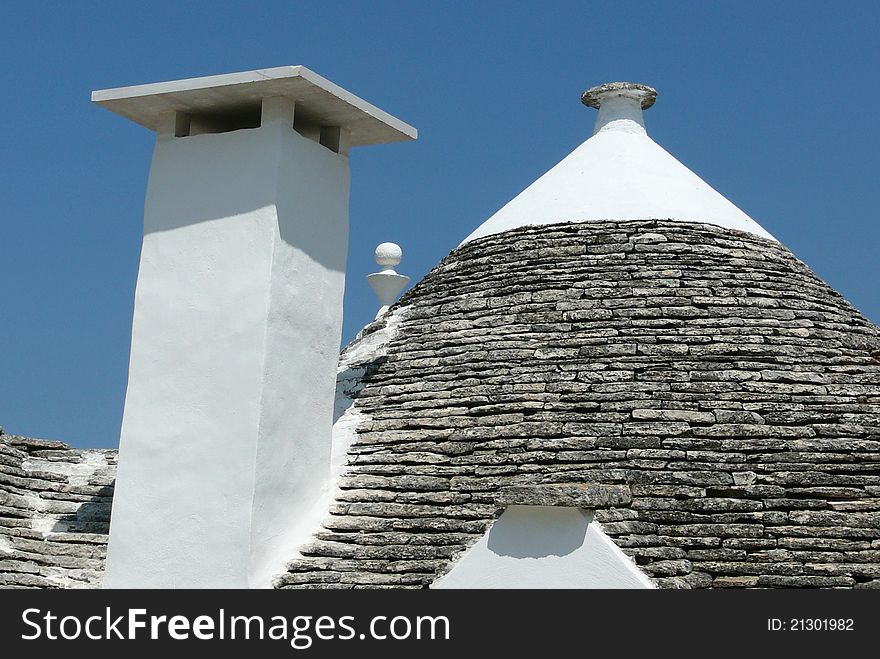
(226, 433)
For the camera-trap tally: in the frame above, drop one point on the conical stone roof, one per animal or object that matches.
(692, 382)
(705, 372)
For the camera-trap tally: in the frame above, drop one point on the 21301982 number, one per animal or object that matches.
(820, 624)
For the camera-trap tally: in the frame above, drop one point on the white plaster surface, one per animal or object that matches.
(47, 514)
(618, 174)
(544, 547)
(372, 346)
(78, 473)
(225, 442)
(317, 99)
(350, 371)
(620, 112)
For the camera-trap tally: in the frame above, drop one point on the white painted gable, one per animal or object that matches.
(544, 547)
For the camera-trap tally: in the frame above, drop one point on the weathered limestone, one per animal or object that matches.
(54, 513)
(713, 401)
(728, 449)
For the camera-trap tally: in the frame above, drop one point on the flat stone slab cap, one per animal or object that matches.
(574, 495)
(593, 96)
(318, 101)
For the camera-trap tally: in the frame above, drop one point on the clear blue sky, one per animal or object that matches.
(773, 103)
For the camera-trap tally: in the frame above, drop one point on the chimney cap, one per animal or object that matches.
(318, 101)
(594, 96)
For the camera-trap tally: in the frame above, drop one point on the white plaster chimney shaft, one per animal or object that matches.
(226, 433)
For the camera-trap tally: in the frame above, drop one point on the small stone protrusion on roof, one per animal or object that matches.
(620, 105)
(387, 284)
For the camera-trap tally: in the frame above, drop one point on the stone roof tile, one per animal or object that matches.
(721, 398)
(54, 513)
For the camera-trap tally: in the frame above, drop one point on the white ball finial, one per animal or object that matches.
(388, 255)
(387, 284)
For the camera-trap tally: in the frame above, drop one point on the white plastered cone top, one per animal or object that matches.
(620, 173)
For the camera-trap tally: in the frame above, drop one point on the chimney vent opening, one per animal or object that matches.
(222, 121)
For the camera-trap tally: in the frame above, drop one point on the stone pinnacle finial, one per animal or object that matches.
(620, 105)
(387, 284)
(594, 96)
(388, 255)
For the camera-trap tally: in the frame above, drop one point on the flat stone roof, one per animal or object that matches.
(318, 101)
